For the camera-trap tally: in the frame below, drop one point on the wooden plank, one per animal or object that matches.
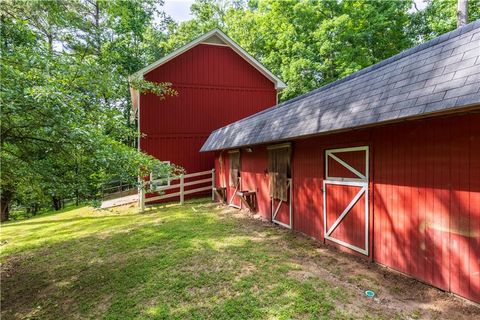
(196, 174)
(198, 190)
(173, 186)
(165, 196)
(186, 184)
(474, 208)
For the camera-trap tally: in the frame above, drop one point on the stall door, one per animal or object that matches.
(234, 180)
(345, 197)
(282, 210)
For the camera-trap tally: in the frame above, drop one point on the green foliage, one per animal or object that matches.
(439, 17)
(307, 43)
(66, 112)
(207, 15)
(65, 120)
(312, 43)
(160, 89)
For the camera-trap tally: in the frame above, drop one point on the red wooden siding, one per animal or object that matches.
(216, 87)
(176, 149)
(230, 188)
(424, 195)
(352, 228)
(426, 213)
(307, 170)
(255, 178)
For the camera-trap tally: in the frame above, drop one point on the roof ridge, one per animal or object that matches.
(405, 53)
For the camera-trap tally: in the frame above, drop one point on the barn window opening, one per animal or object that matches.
(234, 175)
(279, 170)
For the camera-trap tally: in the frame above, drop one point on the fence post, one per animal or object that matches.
(181, 189)
(141, 197)
(213, 185)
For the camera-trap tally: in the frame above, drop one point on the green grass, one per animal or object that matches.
(18, 214)
(192, 262)
(173, 262)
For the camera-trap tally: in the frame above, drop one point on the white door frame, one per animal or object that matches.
(232, 199)
(275, 210)
(360, 181)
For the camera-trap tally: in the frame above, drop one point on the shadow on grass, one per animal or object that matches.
(181, 263)
(189, 266)
(39, 215)
(77, 219)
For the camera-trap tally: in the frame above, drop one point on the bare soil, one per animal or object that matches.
(396, 295)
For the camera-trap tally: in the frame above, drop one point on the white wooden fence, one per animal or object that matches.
(180, 187)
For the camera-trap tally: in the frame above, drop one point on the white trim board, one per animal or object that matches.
(279, 84)
(361, 181)
(274, 211)
(331, 153)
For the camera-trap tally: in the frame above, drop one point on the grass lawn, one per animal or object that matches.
(193, 262)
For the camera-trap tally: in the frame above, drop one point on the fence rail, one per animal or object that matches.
(116, 189)
(144, 201)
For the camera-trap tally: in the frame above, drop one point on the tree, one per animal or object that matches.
(311, 43)
(65, 98)
(462, 13)
(207, 15)
(439, 17)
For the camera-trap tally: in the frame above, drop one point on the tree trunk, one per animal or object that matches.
(6, 197)
(462, 13)
(57, 203)
(35, 209)
(98, 41)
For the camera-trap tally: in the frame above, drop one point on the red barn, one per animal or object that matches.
(384, 163)
(217, 83)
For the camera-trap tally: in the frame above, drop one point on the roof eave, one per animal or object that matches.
(464, 109)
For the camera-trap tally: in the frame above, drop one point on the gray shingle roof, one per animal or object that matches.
(439, 75)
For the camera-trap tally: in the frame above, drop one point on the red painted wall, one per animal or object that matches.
(216, 87)
(254, 176)
(427, 201)
(424, 196)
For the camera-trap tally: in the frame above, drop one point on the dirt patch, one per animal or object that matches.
(397, 295)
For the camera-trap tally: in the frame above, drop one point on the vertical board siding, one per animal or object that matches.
(176, 149)
(215, 87)
(424, 191)
(308, 171)
(425, 222)
(255, 178)
(474, 209)
(352, 227)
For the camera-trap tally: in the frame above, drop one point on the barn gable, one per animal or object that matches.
(215, 40)
(215, 37)
(438, 76)
(211, 65)
(217, 83)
